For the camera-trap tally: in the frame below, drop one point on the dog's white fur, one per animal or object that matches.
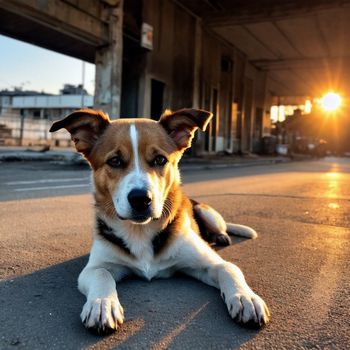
(188, 253)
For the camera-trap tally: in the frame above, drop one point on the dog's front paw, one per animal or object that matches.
(102, 315)
(247, 308)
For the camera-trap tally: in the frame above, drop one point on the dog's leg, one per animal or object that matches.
(205, 264)
(212, 221)
(102, 311)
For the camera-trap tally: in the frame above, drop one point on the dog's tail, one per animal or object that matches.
(240, 230)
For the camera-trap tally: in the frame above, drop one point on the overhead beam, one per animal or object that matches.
(289, 100)
(247, 14)
(278, 86)
(61, 16)
(300, 63)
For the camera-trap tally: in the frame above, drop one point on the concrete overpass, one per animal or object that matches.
(90, 30)
(302, 44)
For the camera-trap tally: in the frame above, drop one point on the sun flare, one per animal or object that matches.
(331, 102)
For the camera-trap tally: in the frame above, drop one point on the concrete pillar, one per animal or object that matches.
(197, 64)
(109, 62)
(267, 103)
(197, 79)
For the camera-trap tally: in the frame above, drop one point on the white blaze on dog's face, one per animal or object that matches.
(134, 161)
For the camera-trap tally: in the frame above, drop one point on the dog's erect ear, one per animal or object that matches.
(182, 124)
(85, 127)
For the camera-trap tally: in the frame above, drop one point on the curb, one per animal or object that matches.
(77, 159)
(39, 157)
(188, 168)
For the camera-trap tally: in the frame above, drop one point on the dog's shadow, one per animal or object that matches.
(41, 310)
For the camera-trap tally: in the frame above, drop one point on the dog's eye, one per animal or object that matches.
(159, 161)
(115, 162)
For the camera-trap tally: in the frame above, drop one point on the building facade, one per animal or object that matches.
(187, 65)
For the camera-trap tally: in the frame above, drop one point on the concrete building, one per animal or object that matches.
(49, 107)
(26, 116)
(185, 65)
(6, 97)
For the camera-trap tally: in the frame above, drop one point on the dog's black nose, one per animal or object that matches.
(140, 199)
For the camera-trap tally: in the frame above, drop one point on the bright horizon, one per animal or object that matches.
(34, 68)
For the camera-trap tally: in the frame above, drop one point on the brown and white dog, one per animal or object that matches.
(145, 225)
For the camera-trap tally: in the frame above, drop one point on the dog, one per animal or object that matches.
(145, 224)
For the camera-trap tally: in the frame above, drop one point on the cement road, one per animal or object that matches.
(300, 263)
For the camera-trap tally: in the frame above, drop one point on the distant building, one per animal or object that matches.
(49, 107)
(69, 89)
(6, 97)
(26, 116)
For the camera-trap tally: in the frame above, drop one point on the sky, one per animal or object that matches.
(34, 68)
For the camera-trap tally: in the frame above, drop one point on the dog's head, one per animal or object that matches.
(134, 161)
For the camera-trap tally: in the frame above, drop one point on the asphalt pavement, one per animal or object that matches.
(299, 264)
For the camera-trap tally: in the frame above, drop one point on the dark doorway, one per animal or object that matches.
(247, 119)
(133, 67)
(211, 132)
(157, 96)
(214, 123)
(207, 106)
(257, 133)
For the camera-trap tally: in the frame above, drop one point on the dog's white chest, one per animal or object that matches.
(147, 269)
(145, 265)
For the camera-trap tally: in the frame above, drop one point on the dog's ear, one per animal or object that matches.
(182, 124)
(85, 127)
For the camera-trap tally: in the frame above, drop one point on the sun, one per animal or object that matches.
(331, 102)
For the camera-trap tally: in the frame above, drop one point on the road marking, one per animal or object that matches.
(49, 187)
(12, 183)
